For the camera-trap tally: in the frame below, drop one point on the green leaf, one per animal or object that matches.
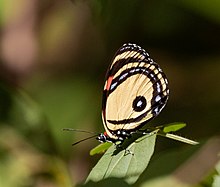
(178, 138)
(101, 148)
(173, 127)
(128, 163)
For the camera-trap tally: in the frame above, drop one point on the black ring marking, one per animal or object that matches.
(139, 104)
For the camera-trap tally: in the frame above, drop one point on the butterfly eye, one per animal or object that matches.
(139, 103)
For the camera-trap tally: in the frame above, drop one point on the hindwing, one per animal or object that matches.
(135, 91)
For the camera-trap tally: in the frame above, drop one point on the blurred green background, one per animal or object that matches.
(54, 56)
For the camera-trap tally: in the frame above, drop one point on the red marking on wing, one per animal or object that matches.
(109, 81)
(105, 133)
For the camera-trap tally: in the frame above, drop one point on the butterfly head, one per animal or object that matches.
(103, 137)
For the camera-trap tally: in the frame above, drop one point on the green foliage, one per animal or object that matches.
(173, 127)
(132, 157)
(101, 148)
(127, 163)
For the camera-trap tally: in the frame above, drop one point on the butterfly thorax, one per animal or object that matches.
(120, 134)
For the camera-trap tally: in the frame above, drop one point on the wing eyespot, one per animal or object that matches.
(139, 104)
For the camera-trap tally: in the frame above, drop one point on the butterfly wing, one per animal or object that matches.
(135, 91)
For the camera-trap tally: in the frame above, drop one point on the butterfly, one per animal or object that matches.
(136, 90)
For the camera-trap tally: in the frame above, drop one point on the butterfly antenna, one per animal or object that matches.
(78, 130)
(84, 140)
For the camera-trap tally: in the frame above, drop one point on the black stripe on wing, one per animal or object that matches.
(134, 54)
(147, 71)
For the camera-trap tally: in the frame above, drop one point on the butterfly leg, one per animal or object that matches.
(128, 152)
